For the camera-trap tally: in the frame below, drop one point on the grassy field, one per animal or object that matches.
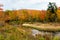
(10, 32)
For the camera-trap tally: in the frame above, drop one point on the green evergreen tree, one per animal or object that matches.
(52, 9)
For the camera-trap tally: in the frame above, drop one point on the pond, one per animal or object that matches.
(34, 32)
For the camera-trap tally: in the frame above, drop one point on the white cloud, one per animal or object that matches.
(30, 4)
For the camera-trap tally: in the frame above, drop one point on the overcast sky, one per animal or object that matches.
(27, 4)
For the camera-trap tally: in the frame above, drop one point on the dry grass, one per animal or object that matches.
(44, 26)
(10, 32)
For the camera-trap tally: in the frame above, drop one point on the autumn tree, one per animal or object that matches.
(10, 18)
(25, 14)
(58, 15)
(8, 14)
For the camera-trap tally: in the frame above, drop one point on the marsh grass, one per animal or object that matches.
(9, 32)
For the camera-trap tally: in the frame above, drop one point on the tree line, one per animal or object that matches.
(52, 14)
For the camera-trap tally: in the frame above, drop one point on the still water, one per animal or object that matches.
(34, 32)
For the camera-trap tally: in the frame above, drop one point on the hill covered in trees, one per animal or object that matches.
(26, 15)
